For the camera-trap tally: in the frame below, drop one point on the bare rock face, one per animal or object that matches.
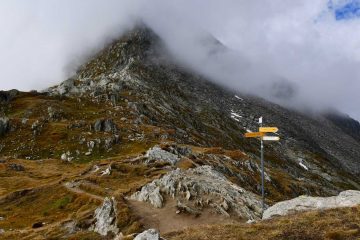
(4, 125)
(348, 198)
(150, 234)
(157, 154)
(105, 218)
(199, 188)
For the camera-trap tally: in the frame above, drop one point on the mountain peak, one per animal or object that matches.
(136, 44)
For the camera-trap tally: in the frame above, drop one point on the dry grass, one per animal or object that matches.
(333, 224)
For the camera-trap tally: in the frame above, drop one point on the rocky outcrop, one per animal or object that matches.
(4, 125)
(199, 188)
(156, 154)
(348, 198)
(7, 96)
(150, 234)
(105, 125)
(105, 218)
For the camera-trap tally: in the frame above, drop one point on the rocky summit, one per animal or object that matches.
(136, 146)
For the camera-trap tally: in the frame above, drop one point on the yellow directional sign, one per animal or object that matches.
(254, 134)
(268, 129)
(270, 138)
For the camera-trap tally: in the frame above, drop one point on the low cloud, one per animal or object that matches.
(298, 53)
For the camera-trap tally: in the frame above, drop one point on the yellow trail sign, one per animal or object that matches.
(254, 134)
(268, 129)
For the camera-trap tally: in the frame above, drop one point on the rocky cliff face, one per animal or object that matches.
(141, 126)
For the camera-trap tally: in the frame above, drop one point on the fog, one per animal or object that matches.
(300, 53)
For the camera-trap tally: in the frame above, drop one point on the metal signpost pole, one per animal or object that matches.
(263, 137)
(262, 169)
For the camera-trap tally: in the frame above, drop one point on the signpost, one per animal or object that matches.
(263, 137)
(254, 134)
(268, 129)
(270, 138)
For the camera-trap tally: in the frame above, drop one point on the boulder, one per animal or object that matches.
(105, 218)
(150, 234)
(4, 125)
(156, 154)
(348, 198)
(105, 125)
(201, 187)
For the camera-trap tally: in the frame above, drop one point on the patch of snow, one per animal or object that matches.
(303, 166)
(236, 96)
(235, 116)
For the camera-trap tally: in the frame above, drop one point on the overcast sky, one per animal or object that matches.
(298, 52)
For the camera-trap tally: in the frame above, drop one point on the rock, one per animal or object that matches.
(178, 150)
(251, 221)
(149, 193)
(105, 218)
(38, 225)
(4, 126)
(348, 198)
(36, 127)
(2, 218)
(91, 145)
(157, 154)
(55, 114)
(95, 168)
(106, 125)
(7, 96)
(2, 231)
(72, 184)
(67, 157)
(70, 227)
(120, 236)
(109, 126)
(150, 234)
(110, 141)
(98, 125)
(184, 208)
(16, 167)
(63, 157)
(63, 89)
(206, 187)
(106, 171)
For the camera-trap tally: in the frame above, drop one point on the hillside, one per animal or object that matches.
(130, 116)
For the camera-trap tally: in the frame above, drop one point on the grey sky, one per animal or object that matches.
(273, 41)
